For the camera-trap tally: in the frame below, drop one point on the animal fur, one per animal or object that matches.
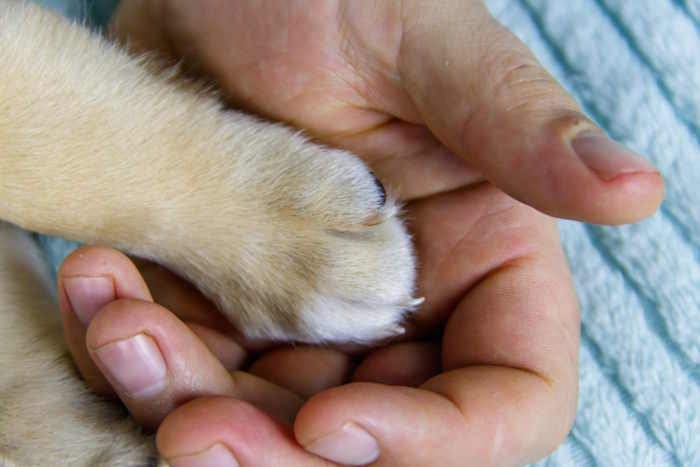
(48, 417)
(293, 241)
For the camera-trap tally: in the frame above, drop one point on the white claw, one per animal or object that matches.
(413, 302)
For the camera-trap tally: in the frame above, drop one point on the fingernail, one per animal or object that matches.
(134, 364)
(349, 445)
(88, 294)
(216, 456)
(607, 158)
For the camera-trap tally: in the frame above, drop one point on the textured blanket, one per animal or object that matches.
(635, 67)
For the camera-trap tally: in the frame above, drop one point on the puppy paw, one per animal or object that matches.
(292, 240)
(299, 242)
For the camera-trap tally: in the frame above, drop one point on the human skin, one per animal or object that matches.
(457, 118)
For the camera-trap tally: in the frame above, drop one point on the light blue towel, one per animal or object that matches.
(635, 67)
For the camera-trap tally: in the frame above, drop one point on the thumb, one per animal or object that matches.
(485, 96)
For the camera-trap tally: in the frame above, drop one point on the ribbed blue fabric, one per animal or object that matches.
(635, 67)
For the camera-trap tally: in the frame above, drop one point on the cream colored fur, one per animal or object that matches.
(292, 240)
(274, 229)
(47, 415)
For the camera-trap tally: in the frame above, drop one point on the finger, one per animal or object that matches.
(188, 303)
(226, 432)
(91, 277)
(139, 25)
(464, 235)
(485, 96)
(88, 279)
(156, 363)
(304, 370)
(409, 160)
(405, 364)
(522, 315)
(487, 416)
(508, 396)
(180, 297)
(278, 402)
(510, 352)
(229, 352)
(151, 359)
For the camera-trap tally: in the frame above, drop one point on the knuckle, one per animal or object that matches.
(516, 80)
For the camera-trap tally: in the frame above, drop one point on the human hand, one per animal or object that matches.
(452, 113)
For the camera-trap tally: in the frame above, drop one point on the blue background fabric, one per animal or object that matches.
(634, 65)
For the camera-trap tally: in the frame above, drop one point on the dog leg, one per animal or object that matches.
(293, 241)
(47, 414)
